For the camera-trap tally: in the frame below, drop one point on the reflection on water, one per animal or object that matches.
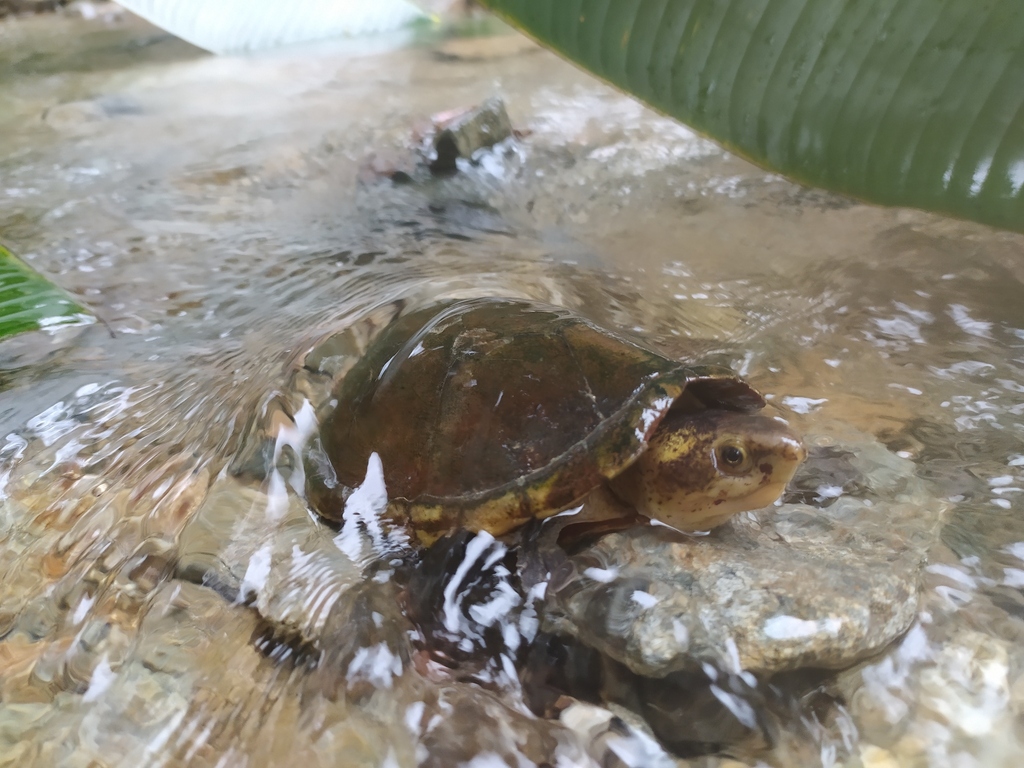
(167, 597)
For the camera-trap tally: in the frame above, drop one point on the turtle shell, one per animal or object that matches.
(488, 412)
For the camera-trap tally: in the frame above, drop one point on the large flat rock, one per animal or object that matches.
(798, 586)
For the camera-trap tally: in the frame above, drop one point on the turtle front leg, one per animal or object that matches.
(602, 513)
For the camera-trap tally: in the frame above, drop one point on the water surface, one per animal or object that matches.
(218, 214)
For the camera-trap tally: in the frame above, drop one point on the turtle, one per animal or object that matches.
(486, 413)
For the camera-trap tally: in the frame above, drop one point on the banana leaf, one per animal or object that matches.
(29, 302)
(901, 102)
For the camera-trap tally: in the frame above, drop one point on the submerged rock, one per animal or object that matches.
(465, 132)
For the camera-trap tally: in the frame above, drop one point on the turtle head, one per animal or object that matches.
(702, 468)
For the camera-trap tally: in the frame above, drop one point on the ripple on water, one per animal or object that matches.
(165, 593)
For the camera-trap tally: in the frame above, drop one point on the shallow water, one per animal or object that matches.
(219, 215)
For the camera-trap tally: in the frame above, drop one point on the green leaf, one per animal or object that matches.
(902, 102)
(29, 302)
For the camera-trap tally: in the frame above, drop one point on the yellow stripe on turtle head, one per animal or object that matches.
(701, 469)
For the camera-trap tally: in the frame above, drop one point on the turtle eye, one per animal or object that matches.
(731, 456)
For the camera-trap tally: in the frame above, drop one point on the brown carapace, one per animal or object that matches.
(487, 413)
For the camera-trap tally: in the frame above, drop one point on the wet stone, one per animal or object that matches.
(193, 668)
(943, 688)
(485, 48)
(463, 134)
(612, 740)
(797, 586)
(262, 549)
